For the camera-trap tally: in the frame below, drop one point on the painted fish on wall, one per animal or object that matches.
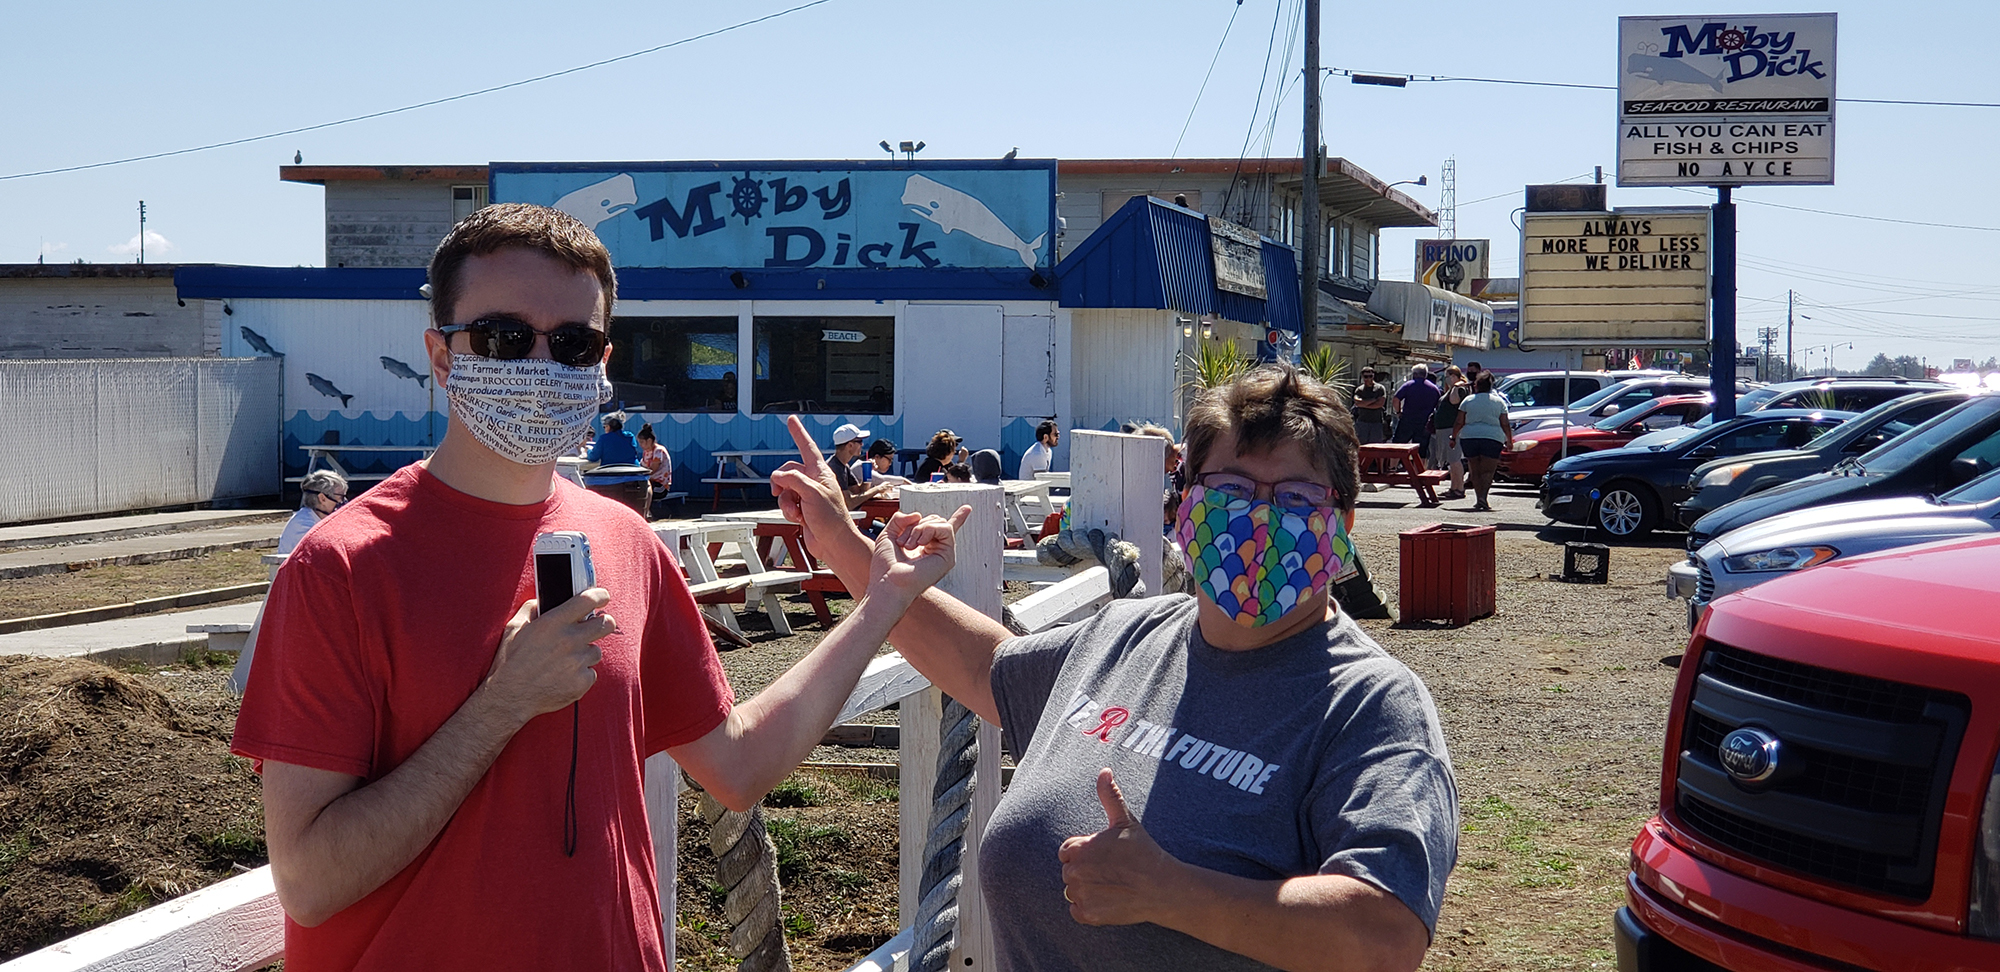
(957, 212)
(327, 388)
(257, 343)
(401, 370)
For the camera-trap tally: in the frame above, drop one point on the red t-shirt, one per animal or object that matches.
(380, 626)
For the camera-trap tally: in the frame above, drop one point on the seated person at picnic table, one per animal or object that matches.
(875, 466)
(1040, 455)
(453, 772)
(320, 493)
(847, 446)
(957, 472)
(945, 447)
(1207, 781)
(655, 458)
(615, 447)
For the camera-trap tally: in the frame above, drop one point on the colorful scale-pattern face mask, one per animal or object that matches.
(1256, 560)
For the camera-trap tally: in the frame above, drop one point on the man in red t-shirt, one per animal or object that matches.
(452, 773)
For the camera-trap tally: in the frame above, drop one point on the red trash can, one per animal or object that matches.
(1448, 573)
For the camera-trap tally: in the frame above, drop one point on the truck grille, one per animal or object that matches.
(1704, 582)
(1864, 765)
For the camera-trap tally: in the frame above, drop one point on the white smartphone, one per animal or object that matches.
(562, 567)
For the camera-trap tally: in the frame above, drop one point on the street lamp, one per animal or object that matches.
(1422, 180)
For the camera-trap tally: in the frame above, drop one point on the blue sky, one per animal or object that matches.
(1057, 79)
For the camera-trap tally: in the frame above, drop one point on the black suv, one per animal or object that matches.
(1728, 480)
(1948, 451)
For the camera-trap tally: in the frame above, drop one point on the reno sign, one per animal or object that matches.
(1726, 101)
(803, 215)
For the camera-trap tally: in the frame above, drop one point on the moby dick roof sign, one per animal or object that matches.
(1726, 100)
(823, 216)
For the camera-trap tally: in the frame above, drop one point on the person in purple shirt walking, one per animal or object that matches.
(1415, 401)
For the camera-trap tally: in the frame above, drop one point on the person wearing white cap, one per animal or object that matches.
(848, 441)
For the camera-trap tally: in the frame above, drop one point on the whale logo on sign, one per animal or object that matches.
(957, 212)
(593, 204)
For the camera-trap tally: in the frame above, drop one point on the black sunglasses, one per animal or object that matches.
(575, 345)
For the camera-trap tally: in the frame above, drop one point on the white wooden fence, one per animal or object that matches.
(237, 925)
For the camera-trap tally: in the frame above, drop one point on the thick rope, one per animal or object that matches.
(1071, 547)
(944, 840)
(746, 862)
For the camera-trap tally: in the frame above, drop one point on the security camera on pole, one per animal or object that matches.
(1725, 102)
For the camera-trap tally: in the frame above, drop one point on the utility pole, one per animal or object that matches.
(1768, 337)
(142, 231)
(1788, 337)
(1314, 235)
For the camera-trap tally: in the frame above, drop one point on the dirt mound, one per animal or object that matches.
(117, 791)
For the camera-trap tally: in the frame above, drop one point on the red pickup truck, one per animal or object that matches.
(1829, 797)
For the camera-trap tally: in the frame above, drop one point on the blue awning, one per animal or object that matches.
(1154, 254)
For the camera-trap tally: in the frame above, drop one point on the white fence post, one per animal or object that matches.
(662, 784)
(1118, 483)
(974, 580)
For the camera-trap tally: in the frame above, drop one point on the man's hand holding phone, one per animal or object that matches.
(545, 658)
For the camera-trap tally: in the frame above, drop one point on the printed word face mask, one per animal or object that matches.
(1256, 560)
(527, 410)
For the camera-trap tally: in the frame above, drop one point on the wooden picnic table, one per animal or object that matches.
(330, 455)
(692, 542)
(1059, 480)
(1013, 491)
(771, 525)
(1400, 464)
(733, 469)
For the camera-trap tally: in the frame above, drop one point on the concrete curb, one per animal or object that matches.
(152, 605)
(122, 533)
(151, 557)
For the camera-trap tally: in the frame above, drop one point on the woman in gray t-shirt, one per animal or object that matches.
(1483, 434)
(1237, 779)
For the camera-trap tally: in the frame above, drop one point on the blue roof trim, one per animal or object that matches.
(636, 283)
(1152, 253)
(337, 283)
(737, 165)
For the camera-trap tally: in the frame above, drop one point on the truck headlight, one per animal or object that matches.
(1721, 477)
(1522, 445)
(1982, 912)
(1779, 558)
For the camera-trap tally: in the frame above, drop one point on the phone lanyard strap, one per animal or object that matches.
(569, 801)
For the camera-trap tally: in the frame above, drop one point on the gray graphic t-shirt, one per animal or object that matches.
(1319, 754)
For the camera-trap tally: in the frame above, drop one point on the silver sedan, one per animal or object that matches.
(1790, 542)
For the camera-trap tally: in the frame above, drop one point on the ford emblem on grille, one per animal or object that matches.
(1750, 755)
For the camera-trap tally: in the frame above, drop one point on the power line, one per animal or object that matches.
(426, 104)
(1256, 107)
(1204, 78)
(1878, 219)
(1407, 78)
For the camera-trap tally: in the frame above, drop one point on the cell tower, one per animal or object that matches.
(1448, 201)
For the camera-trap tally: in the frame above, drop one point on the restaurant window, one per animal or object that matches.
(466, 199)
(824, 364)
(674, 364)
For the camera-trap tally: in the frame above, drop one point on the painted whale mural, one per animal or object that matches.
(1668, 70)
(595, 203)
(957, 212)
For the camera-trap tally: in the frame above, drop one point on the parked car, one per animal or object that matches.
(1790, 542)
(1628, 492)
(1612, 399)
(1727, 480)
(1827, 788)
(1857, 393)
(1939, 455)
(1543, 389)
(1534, 452)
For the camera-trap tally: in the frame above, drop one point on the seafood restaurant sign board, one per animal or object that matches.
(1726, 101)
(789, 215)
